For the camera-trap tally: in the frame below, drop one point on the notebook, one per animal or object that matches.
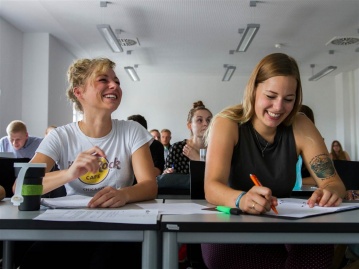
(293, 208)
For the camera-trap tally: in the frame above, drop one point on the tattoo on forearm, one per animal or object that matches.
(322, 166)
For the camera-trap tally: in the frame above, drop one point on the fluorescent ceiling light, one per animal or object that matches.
(229, 72)
(247, 37)
(322, 73)
(110, 37)
(132, 73)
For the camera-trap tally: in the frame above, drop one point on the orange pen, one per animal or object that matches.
(257, 183)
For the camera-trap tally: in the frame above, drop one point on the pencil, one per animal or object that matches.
(258, 183)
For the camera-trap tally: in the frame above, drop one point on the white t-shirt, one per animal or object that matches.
(64, 143)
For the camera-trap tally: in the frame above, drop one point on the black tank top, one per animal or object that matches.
(276, 169)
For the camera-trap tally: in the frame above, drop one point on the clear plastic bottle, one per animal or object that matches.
(298, 181)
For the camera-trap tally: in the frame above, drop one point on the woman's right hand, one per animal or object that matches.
(258, 200)
(168, 171)
(86, 161)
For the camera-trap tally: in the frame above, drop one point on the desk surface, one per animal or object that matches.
(19, 225)
(347, 221)
(12, 218)
(341, 227)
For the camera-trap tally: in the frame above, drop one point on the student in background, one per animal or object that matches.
(156, 146)
(18, 140)
(49, 129)
(181, 152)
(264, 136)
(337, 152)
(98, 157)
(156, 134)
(166, 137)
(177, 161)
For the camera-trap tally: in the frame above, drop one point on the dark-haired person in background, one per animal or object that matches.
(337, 152)
(156, 147)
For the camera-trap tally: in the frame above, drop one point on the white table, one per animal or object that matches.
(336, 228)
(18, 225)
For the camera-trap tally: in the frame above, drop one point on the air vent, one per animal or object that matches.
(343, 41)
(126, 42)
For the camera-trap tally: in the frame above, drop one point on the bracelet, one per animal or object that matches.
(239, 198)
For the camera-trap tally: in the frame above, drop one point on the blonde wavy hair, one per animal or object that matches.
(84, 70)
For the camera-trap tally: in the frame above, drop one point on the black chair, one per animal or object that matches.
(194, 253)
(173, 186)
(8, 177)
(348, 172)
(7, 169)
(196, 169)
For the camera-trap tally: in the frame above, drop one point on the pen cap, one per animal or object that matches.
(224, 209)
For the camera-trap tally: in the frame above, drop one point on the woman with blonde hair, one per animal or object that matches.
(98, 157)
(264, 135)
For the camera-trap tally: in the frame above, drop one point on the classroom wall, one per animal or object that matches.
(11, 62)
(164, 100)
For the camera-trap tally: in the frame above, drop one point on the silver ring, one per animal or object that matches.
(253, 206)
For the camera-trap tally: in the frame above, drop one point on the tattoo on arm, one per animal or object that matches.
(322, 166)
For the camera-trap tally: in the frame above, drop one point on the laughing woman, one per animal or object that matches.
(264, 136)
(98, 157)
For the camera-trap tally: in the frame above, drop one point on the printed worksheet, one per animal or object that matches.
(298, 208)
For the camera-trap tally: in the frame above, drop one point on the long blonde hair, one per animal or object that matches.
(276, 64)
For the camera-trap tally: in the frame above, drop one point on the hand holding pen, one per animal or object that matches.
(257, 183)
(169, 170)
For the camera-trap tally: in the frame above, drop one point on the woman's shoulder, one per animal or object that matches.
(179, 143)
(302, 123)
(125, 124)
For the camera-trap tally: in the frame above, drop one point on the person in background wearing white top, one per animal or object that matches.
(18, 140)
(99, 157)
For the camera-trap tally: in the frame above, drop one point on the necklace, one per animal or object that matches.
(87, 138)
(259, 143)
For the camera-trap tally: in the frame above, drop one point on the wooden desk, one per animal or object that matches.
(18, 225)
(336, 228)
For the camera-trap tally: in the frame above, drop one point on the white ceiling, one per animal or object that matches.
(181, 36)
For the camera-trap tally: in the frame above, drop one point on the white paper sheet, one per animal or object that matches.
(137, 216)
(71, 201)
(178, 208)
(298, 208)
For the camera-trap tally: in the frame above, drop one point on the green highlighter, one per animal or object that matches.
(229, 210)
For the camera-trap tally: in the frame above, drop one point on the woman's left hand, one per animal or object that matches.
(108, 197)
(324, 197)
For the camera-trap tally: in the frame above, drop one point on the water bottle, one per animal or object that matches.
(298, 181)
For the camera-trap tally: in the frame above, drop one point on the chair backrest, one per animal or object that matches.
(197, 179)
(348, 172)
(7, 173)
